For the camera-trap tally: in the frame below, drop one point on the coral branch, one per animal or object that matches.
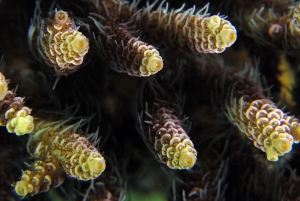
(58, 149)
(38, 179)
(127, 54)
(197, 32)
(78, 157)
(14, 114)
(61, 45)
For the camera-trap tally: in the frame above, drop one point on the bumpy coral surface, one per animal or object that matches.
(270, 129)
(19, 122)
(171, 143)
(39, 178)
(15, 116)
(201, 33)
(181, 126)
(78, 157)
(58, 150)
(128, 54)
(62, 46)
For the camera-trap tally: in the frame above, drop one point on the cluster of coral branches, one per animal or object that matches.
(177, 95)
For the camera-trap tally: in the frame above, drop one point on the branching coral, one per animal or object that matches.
(245, 105)
(58, 149)
(124, 52)
(167, 49)
(129, 55)
(270, 129)
(172, 144)
(38, 179)
(162, 130)
(14, 115)
(197, 32)
(60, 43)
(272, 24)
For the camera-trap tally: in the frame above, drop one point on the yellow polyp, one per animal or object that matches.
(21, 188)
(9, 128)
(57, 26)
(25, 177)
(176, 155)
(96, 165)
(78, 170)
(82, 159)
(85, 167)
(155, 63)
(86, 176)
(48, 179)
(60, 17)
(188, 142)
(72, 173)
(24, 125)
(228, 36)
(187, 160)
(144, 62)
(283, 145)
(80, 43)
(74, 159)
(35, 180)
(180, 146)
(10, 113)
(174, 141)
(213, 22)
(271, 154)
(170, 152)
(21, 113)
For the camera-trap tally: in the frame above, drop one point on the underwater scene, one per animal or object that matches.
(115, 100)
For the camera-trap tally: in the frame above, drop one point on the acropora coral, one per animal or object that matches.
(188, 100)
(60, 44)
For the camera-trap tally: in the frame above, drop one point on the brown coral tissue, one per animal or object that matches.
(115, 100)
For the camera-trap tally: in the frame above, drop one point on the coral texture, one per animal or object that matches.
(58, 149)
(117, 42)
(270, 129)
(78, 157)
(14, 115)
(130, 55)
(198, 32)
(62, 46)
(203, 89)
(173, 145)
(39, 178)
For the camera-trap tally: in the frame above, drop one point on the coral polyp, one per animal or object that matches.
(188, 100)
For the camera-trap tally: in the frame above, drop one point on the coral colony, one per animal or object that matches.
(174, 94)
